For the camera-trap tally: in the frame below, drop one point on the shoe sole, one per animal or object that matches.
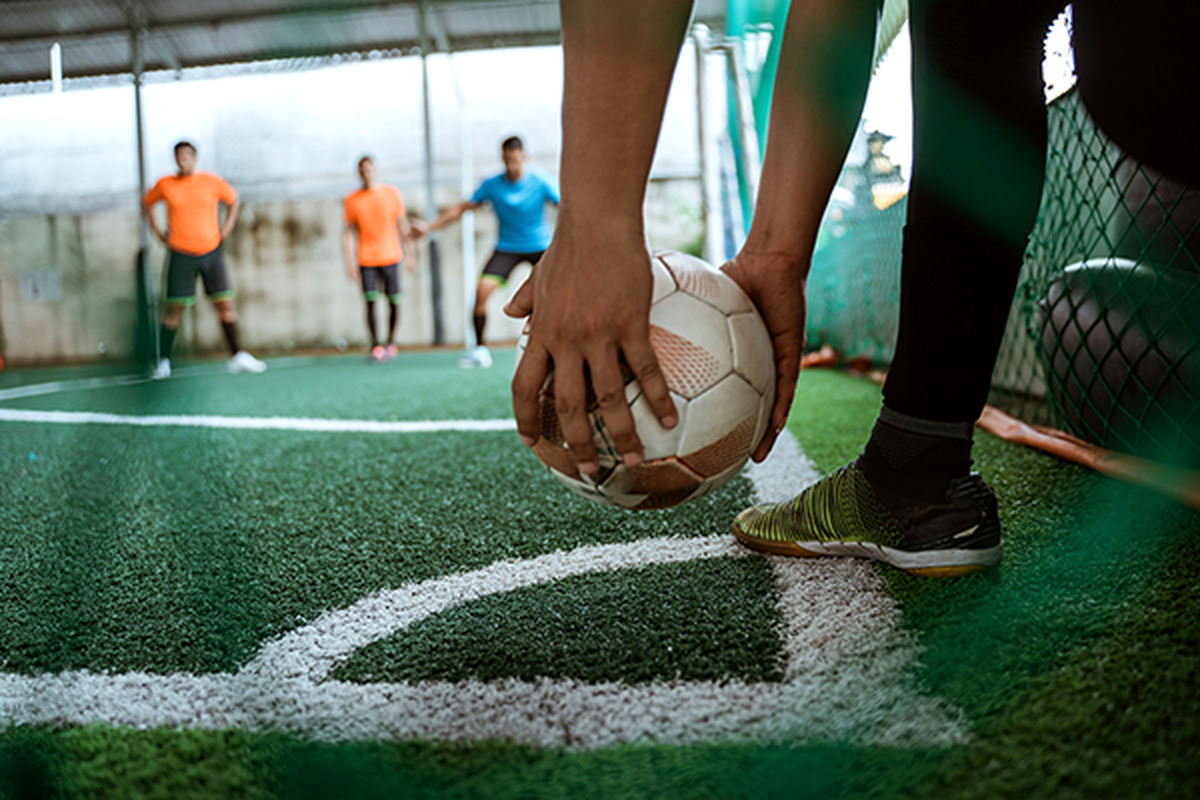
(924, 563)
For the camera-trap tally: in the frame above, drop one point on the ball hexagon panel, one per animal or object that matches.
(719, 413)
(660, 483)
(664, 281)
(691, 342)
(657, 441)
(698, 278)
(753, 355)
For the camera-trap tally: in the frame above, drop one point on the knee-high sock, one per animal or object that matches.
(231, 336)
(371, 323)
(166, 341)
(916, 458)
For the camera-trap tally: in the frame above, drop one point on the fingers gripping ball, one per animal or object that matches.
(715, 353)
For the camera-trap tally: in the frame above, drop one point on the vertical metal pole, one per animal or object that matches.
(747, 133)
(56, 68)
(710, 188)
(137, 46)
(466, 186)
(435, 274)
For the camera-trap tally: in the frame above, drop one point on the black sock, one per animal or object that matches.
(480, 320)
(393, 318)
(371, 323)
(166, 341)
(916, 458)
(231, 337)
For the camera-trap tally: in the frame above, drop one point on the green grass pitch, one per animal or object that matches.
(172, 552)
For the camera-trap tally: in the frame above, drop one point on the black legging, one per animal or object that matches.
(979, 127)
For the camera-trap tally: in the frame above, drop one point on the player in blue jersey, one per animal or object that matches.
(519, 197)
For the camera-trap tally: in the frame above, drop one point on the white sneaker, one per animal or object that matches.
(161, 370)
(244, 362)
(479, 357)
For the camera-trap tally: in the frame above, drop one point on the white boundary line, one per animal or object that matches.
(309, 424)
(106, 381)
(848, 672)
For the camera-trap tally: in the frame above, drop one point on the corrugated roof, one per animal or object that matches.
(95, 34)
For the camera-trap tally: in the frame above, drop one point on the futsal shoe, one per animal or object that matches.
(161, 370)
(378, 355)
(244, 362)
(478, 357)
(844, 514)
(392, 351)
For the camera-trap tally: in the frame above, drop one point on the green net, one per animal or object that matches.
(854, 285)
(1103, 338)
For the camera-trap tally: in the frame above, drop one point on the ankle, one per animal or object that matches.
(916, 459)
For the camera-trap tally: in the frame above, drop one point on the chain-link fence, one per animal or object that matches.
(1104, 332)
(1103, 339)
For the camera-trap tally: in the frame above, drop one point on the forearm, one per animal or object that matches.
(618, 58)
(820, 86)
(448, 216)
(152, 224)
(231, 218)
(348, 250)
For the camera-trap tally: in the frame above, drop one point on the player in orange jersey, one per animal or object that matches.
(375, 216)
(193, 238)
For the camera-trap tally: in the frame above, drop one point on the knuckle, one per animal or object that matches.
(646, 370)
(567, 407)
(609, 397)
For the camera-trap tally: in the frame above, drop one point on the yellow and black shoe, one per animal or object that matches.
(844, 514)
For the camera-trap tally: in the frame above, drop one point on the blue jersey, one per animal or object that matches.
(520, 206)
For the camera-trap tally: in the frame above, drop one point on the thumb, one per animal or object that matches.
(521, 303)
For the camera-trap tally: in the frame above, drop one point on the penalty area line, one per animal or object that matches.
(308, 424)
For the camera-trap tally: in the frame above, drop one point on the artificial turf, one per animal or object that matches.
(1074, 664)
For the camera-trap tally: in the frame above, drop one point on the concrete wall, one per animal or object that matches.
(288, 141)
(286, 265)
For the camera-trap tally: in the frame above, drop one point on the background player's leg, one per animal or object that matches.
(480, 356)
(393, 321)
(172, 315)
(228, 317)
(240, 360)
(483, 290)
(372, 330)
(391, 276)
(181, 290)
(370, 280)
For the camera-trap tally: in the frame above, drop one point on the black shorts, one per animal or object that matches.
(502, 263)
(181, 277)
(389, 276)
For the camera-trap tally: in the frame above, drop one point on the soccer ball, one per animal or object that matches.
(715, 353)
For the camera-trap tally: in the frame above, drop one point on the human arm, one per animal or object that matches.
(149, 200)
(152, 223)
(408, 238)
(448, 216)
(351, 263)
(820, 85)
(231, 218)
(590, 293)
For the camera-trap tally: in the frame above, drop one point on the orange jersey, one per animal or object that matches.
(375, 214)
(192, 210)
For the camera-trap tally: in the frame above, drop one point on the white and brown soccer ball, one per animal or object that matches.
(715, 353)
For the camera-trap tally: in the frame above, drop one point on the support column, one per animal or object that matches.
(137, 41)
(710, 178)
(435, 274)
